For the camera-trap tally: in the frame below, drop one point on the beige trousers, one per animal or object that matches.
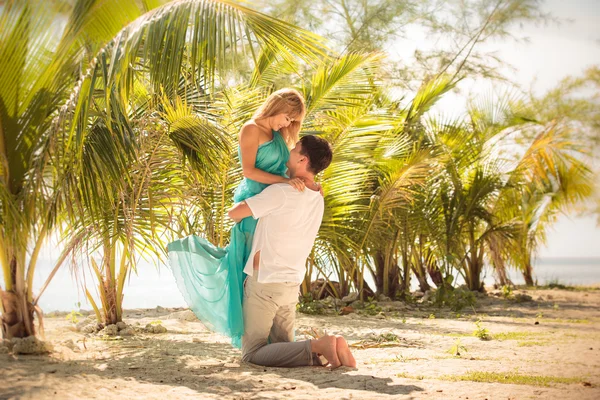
(269, 315)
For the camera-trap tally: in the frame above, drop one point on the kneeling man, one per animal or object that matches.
(288, 224)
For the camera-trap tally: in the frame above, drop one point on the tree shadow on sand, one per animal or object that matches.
(206, 368)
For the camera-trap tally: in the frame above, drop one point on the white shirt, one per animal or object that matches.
(288, 222)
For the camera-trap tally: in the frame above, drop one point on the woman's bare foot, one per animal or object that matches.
(326, 345)
(343, 352)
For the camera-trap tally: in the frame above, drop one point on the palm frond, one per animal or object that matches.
(342, 82)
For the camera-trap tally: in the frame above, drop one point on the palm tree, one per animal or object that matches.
(410, 224)
(36, 74)
(118, 219)
(551, 177)
(465, 193)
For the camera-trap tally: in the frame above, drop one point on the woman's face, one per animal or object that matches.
(280, 121)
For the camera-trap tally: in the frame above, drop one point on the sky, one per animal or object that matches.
(552, 53)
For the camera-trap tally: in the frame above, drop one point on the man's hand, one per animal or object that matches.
(239, 212)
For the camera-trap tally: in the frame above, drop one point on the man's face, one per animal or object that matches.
(297, 160)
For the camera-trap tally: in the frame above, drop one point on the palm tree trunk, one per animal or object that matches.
(394, 279)
(499, 264)
(434, 270)
(17, 310)
(528, 273)
(473, 273)
(379, 270)
(360, 283)
(14, 321)
(387, 271)
(502, 275)
(418, 267)
(423, 284)
(405, 281)
(111, 315)
(387, 280)
(474, 264)
(344, 284)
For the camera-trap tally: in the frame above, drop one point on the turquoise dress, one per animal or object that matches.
(211, 278)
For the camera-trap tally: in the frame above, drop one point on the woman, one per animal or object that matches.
(210, 278)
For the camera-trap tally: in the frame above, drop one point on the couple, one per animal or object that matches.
(249, 290)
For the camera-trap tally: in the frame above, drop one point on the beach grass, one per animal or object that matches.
(510, 378)
(514, 378)
(517, 335)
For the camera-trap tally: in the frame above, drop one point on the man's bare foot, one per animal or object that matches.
(343, 352)
(326, 345)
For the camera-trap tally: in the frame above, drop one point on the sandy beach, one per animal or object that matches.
(402, 353)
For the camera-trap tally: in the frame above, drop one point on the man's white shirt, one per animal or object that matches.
(288, 222)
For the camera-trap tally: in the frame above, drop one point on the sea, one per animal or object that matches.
(153, 285)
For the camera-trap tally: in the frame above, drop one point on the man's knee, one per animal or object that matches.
(250, 357)
(251, 347)
(246, 357)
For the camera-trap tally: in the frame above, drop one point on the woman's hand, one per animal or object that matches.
(297, 183)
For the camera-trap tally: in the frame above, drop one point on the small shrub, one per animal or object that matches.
(456, 348)
(371, 307)
(521, 298)
(481, 332)
(74, 316)
(554, 283)
(456, 299)
(388, 337)
(309, 306)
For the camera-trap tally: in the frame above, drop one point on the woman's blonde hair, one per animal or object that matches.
(284, 101)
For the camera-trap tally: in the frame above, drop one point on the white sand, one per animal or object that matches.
(190, 362)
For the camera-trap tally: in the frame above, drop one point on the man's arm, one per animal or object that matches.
(239, 212)
(267, 201)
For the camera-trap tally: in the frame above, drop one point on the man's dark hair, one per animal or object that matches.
(318, 151)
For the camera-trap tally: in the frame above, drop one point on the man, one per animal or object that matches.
(288, 224)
